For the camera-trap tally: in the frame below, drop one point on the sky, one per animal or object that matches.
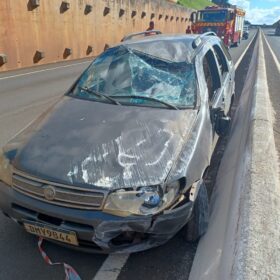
(260, 11)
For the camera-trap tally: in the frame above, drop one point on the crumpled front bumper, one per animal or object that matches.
(97, 232)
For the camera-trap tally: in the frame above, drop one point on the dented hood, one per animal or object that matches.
(102, 145)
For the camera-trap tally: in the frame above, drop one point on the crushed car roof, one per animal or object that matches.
(175, 47)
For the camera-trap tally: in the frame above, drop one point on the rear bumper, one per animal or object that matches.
(97, 231)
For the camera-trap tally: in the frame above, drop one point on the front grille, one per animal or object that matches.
(62, 195)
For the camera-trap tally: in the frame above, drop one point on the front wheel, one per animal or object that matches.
(198, 223)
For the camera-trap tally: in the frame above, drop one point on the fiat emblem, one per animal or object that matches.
(49, 192)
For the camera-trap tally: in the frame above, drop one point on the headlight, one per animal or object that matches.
(5, 169)
(143, 201)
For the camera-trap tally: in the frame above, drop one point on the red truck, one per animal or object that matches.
(226, 22)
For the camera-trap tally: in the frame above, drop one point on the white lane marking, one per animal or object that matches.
(44, 70)
(272, 52)
(241, 57)
(111, 267)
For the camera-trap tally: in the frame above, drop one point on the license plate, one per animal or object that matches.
(50, 232)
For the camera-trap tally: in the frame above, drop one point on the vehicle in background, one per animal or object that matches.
(226, 22)
(277, 30)
(245, 32)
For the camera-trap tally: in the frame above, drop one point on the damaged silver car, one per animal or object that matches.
(117, 164)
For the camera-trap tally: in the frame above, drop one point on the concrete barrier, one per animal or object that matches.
(53, 27)
(242, 241)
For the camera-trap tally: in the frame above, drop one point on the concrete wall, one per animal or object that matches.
(50, 29)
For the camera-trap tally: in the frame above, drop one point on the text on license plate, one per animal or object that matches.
(65, 236)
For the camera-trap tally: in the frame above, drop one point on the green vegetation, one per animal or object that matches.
(195, 4)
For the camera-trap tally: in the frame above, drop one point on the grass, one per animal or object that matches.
(195, 4)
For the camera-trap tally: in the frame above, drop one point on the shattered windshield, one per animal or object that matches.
(132, 77)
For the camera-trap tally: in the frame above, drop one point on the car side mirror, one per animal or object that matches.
(220, 121)
(222, 125)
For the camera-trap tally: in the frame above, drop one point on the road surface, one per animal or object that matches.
(24, 94)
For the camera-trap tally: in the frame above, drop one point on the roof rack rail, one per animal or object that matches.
(150, 32)
(197, 41)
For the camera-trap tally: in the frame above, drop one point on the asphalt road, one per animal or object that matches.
(24, 94)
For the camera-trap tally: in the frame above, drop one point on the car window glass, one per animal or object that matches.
(221, 59)
(225, 51)
(120, 72)
(208, 77)
(212, 16)
(211, 74)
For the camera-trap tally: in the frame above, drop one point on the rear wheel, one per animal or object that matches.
(198, 223)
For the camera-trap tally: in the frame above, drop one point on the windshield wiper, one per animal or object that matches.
(147, 98)
(100, 95)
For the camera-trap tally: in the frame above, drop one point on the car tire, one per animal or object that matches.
(198, 223)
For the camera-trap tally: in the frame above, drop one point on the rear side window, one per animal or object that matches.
(221, 59)
(211, 73)
(225, 51)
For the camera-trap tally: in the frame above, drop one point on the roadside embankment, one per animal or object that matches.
(40, 32)
(242, 241)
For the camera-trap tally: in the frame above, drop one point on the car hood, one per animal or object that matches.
(80, 142)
